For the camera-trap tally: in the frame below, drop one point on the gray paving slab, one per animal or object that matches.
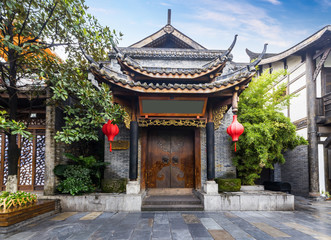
(141, 234)
(304, 219)
(272, 221)
(161, 234)
(210, 224)
(22, 235)
(161, 227)
(250, 229)
(234, 230)
(183, 234)
(197, 230)
(161, 218)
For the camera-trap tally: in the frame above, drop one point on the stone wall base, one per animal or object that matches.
(235, 201)
(11, 185)
(210, 187)
(98, 202)
(247, 201)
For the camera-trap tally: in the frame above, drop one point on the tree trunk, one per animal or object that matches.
(14, 151)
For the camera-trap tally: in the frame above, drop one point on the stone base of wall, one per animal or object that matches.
(98, 202)
(247, 201)
(235, 201)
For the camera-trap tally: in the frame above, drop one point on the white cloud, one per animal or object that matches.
(221, 19)
(165, 4)
(324, 3)
(101, 10)
(274, 2)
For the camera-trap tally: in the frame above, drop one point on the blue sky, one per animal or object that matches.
(213, 23)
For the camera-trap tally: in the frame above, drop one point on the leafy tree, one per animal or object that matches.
(268, 133)
(12, 126)
(30, 30)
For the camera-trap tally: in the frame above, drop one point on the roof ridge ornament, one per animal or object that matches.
(227, 52)
(119, 54)
(169, 17)
(252, 65)
(168, 29)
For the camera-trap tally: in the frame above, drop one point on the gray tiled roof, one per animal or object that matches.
(221, 82)
(169, 53)
(219, 60)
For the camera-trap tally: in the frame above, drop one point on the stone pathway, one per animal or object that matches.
(311, 221)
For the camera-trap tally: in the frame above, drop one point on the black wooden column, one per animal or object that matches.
(210, 151)
(312, 126)
(133, 167)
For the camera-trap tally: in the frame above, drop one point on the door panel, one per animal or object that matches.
(170, 158)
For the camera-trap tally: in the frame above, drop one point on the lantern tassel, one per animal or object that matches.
(110, 147)
(235, 146)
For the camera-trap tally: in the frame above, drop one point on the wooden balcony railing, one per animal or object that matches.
(324, 109)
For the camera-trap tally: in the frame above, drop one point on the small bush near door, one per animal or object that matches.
(114, 185)
(228, 185)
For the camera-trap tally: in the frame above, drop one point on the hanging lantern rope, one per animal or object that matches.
(110, 130)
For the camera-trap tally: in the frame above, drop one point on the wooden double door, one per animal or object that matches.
(170, 158)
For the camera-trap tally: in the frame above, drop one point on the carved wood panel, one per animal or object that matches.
(170, 158)
(31, 165)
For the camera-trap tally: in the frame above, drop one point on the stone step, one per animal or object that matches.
(186, 202)
(170, 191)
(171, 200)
(191, 207)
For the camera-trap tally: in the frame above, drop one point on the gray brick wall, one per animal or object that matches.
(223, 151)
(118, 159)
(277, 172)
(295, 170)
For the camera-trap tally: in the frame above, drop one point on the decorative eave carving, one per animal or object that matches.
(172, 122)
(127, 116)
(218, 115)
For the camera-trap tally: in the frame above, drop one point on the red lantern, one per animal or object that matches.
(235, 130)
(110, 130)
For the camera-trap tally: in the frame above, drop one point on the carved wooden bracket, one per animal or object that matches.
(320, 63)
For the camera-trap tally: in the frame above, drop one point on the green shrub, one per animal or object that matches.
(228, 185)
(114, 185)
(96, 167)
(77, 180)
(17, 199)
(60, 169)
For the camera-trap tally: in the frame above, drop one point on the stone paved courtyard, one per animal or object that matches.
(311, 220)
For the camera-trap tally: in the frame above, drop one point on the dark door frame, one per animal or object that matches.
(197, 158)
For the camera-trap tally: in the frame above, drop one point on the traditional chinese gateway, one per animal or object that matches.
(175, 93)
